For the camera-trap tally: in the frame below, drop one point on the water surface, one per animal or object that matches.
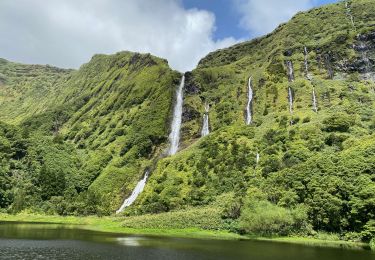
(51, 241)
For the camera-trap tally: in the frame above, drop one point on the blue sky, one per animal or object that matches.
(227, 16)
(67, 33)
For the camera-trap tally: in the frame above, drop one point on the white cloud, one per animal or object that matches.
(67, 33)
(262, 16)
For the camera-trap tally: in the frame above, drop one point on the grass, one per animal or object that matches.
(115, 225)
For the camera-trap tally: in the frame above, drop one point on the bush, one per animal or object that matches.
(339, 122)
(266, 219)
(372, 244)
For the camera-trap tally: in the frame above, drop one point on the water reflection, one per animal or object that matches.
(51, 241)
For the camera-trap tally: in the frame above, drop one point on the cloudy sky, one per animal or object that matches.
(66, 33)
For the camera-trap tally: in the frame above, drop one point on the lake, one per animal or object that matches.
(54, 241)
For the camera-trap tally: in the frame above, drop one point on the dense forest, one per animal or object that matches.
(76, 142)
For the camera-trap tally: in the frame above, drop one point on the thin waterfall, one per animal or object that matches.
(137, 190)
(290, 98)
(315, 105)
(174, 136)
(249, 100)
(289, 66)
(290, 71)
(349, 13)
(205, 128)
(306, 64)
(308, 76)
(257, 159)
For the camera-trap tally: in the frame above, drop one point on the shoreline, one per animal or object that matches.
(113, 225)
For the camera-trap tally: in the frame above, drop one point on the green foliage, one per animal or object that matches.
(52, 183)
(264, 218)
(203, 218)
(372, 244)
(340, 122)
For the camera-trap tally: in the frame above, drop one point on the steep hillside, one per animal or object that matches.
(113, 113)
(310, 142)
(26, 90)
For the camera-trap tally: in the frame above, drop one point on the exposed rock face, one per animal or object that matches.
(363, 63)
(191, 87)
(189, 113)
(138, 61)
(288, 53)
(328, 62)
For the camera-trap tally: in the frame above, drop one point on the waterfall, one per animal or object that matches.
(290, 98)
(289, 65)
(315, 105)
(205, 128)
(306, 64)
(249, 100)
(257, 158)
(349, 13)
(137, 190)
(174, 137)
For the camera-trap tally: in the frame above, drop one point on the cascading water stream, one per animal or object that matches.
(315, 103)
(257, 159)
(289, 66)
(290, 70)
(308, 76)
(306, 64)
(137, 190)
(290, 98)
(174, 136)
(249, 101)
(349, 13)
(205, 128)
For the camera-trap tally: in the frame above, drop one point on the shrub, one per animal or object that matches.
(372, 244)
(266, 219)
(339, 122)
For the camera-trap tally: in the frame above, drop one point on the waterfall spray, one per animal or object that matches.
(249, 101)
(315, 105)
(205, 128)
(137, 190)
(289, 66)
(174, 137)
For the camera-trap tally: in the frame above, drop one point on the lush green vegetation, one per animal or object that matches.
(92, 133)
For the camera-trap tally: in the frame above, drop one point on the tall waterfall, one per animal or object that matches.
(205, 128)
(290, 98)
(249, 100)
(174, 136)
(257, 159)
(137, 190)
(315, 104)
(289, 65)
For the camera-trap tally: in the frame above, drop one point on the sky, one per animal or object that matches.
(67, 33)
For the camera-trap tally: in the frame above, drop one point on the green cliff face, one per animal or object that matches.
(113, 114)
(80, 140)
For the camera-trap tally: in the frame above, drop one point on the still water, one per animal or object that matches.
(51, 241)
